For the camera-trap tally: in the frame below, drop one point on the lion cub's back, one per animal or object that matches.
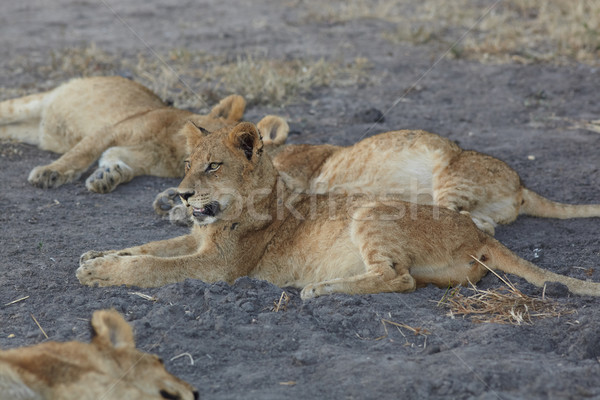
(400, 162)
(82, 106)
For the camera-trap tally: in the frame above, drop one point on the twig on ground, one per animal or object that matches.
(184, 355)
(282, 304)
(16, 301)
(144, 296)
(39, 326)
(417, 331)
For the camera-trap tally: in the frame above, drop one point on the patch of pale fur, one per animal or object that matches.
(496, 210)
(13, 388)
(411, 179)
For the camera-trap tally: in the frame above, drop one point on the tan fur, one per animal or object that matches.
(110, 367)
(120, 122)
(246, 222)
(415, 166)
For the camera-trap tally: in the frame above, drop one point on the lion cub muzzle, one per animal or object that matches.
(201, 205)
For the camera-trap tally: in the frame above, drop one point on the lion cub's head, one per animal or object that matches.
(110, 367)
(225, 169)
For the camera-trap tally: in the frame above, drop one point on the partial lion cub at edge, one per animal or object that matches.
(412, 165)
(110, 367)
(122, 123)
(247, 223)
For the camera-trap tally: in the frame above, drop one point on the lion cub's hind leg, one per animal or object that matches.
(111, 171)
(482, 185)
(71, 165)
(387, 262)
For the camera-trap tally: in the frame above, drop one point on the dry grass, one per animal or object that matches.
(279, 81)
(260, 80)
(282, 303)
(49, 70)
(557, 31)
(505, 305)
(592, 126)
(196, 79)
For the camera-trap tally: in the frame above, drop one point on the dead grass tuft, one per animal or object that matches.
(505, 305)
(282, 304)
(80, 61)
(555, 31)
(558, 31)
(281, 81)
(196, 79)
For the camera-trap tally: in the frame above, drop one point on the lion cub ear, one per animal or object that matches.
(111, 330)
(193, 133)
(274, 129)
(230, 108)
(244, 136)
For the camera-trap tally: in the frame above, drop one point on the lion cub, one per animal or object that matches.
(116, 120)
(247, 223)
(110, 368)
(412, 165)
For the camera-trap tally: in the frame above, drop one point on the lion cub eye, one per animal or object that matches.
(213, 166)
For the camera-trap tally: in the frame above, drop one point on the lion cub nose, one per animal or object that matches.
(185, 195)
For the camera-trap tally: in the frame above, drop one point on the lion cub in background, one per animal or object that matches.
(248, 224)
(122, 123)
(110, 368)
(413, 165)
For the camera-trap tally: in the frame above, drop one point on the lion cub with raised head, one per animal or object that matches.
(110, 367)
(246, 223)
(118, 121)
(412, 165)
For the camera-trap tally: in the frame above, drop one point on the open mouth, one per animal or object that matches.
(209, 210)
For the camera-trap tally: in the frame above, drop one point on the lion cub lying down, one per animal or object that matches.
(417, 166)
(110, 367)
(246, 223)
(122, 123)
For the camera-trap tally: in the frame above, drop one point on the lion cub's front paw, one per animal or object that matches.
(98, 271)
(165, 201)
(106, 179)
(311, 291)
(165, 204)
(89, 255)
(45, 177)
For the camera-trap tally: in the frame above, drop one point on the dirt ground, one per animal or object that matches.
(227, 340)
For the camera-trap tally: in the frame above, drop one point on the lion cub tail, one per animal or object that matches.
(22, 108)
(505, 260)
(274, 130)
(539, 206)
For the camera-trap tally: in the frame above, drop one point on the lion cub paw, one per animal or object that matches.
(165, 201)
(311, 291)
(165, 204)
(97, 271)
(45, 177)
(485, 224)
(105, 179)
(89, 255)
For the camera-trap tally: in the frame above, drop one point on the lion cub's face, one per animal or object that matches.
(222, 169)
